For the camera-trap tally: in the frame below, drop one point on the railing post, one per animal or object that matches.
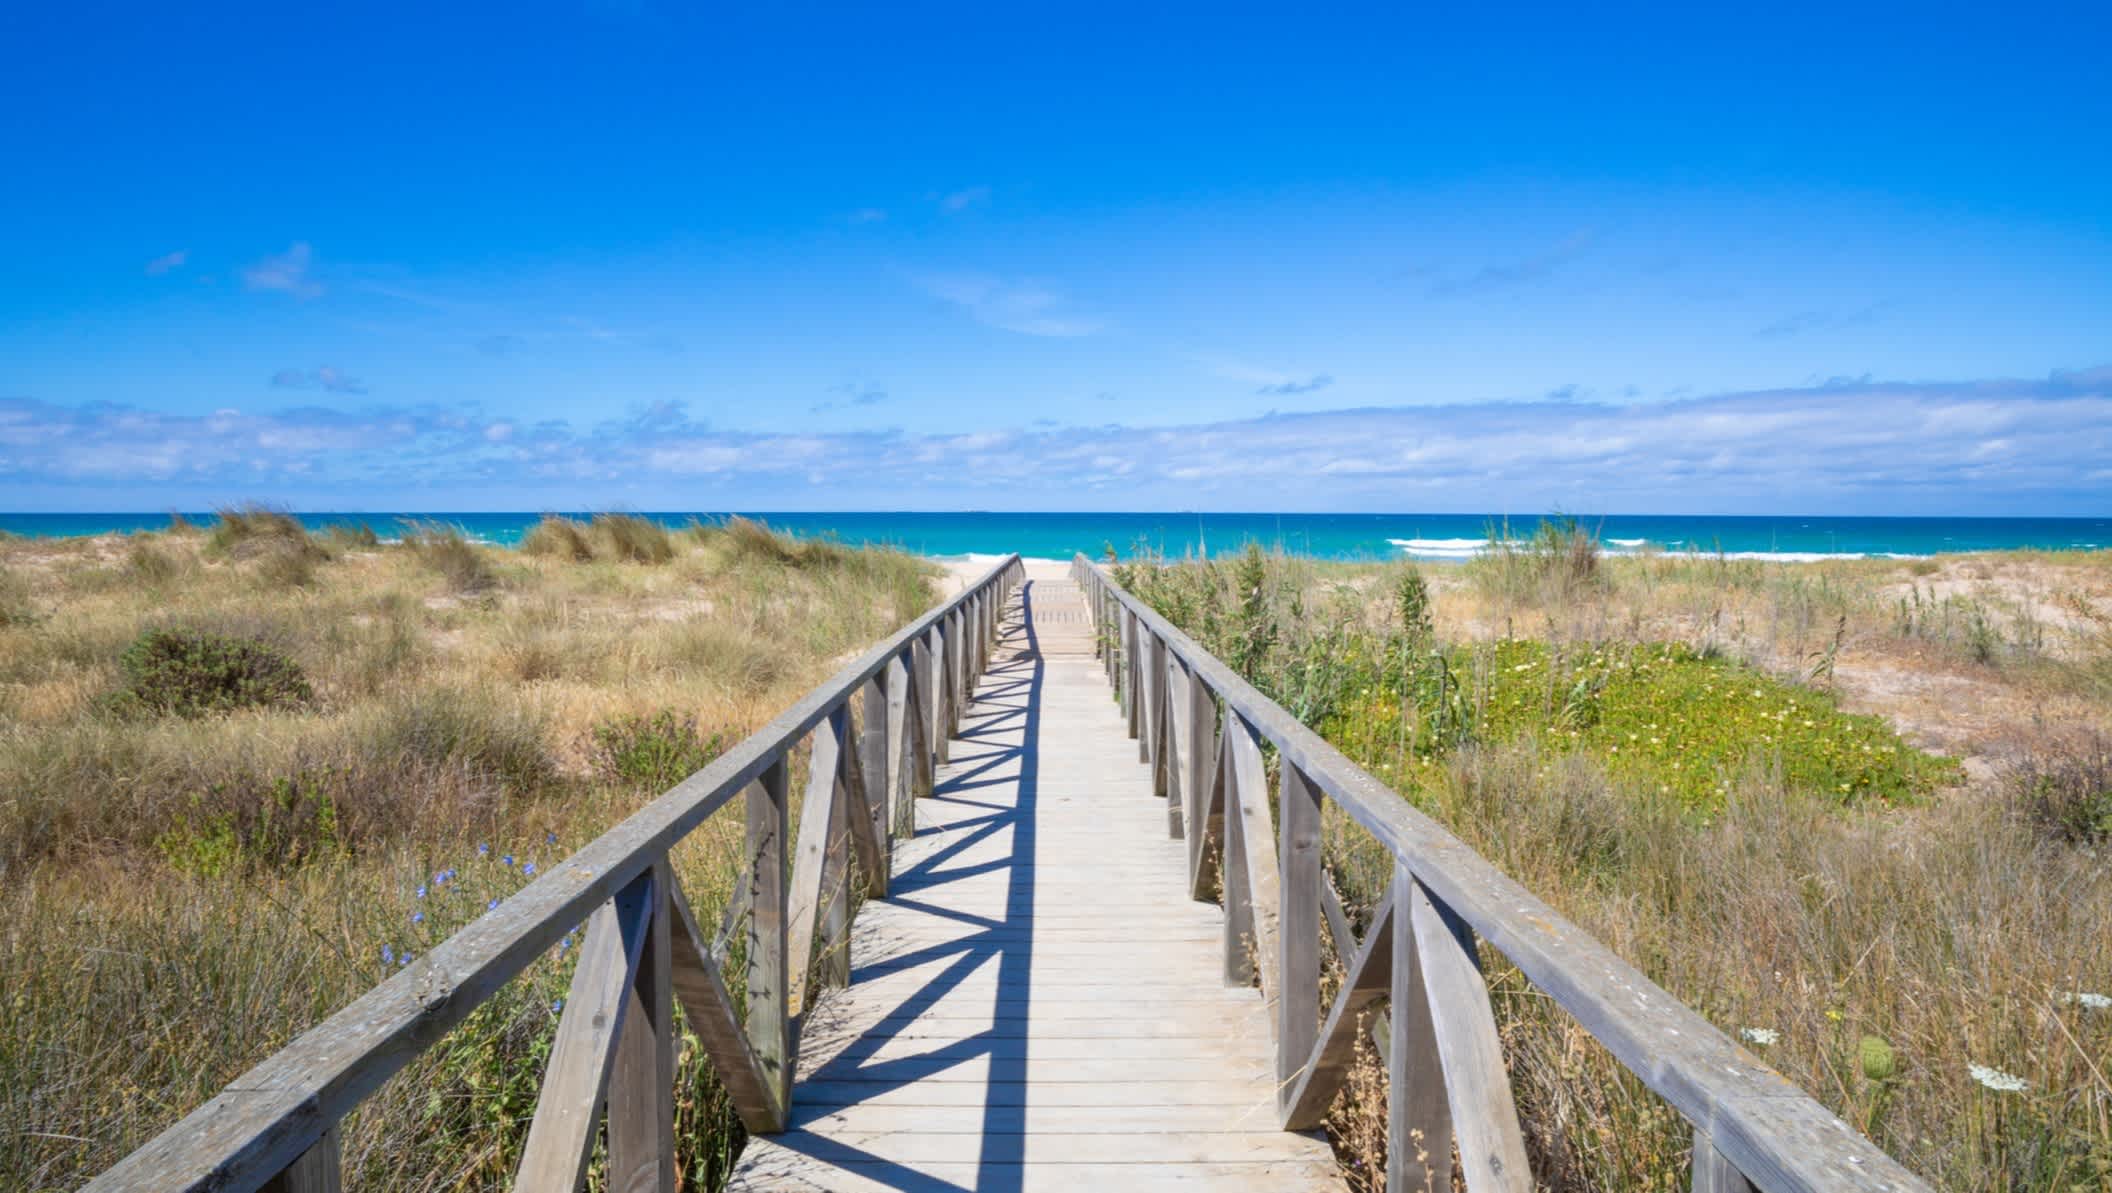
(641, 1127)
(769, 975)
(317, 1170)
(1297, 929)
(1180, 746)
(1198, 756)
(1418, 1118)
(921, 670)
(873, 760)
(940, 669)
(1477, 1087)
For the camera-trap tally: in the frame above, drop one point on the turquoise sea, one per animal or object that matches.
(1334, 536)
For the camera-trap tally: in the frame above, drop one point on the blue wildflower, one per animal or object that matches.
(406, 960)
(388, 955)
(507, 860)
(483, 850)
(528, 869)
(421, 892)
(417, 917)
(557, 1005)
(549, 838)
(492, 906)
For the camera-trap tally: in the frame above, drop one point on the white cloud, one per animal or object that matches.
(287, 272)
(1984, 446)
(167, 262)
(961, 200)
(1025, 307)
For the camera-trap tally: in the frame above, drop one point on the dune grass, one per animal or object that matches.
(1702, 763)
(182, 894)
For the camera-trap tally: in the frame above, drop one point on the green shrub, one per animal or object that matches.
(443, 549)
(1556, 562)
(654, 752)
(632, 538)
(274, 823)
(559, 537)
(190, 673)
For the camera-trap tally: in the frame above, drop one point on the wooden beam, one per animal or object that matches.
(641, 1099)
(1207, 849)
(819, 821)
(1297, 932)
(769, 1021)
(879, 782)
(317, 1171)
(1236, 888)
(568, 1110)
(1367, 976)
(1418, 1116)
(1712, 1173)
(1477, 1086)
(708, 1006)
(1257, 847)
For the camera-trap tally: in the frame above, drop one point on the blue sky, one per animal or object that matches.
(1826, 260)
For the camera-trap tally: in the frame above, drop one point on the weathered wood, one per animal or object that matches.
(708, 1006)
(901, 765)
(832, 918)
(271, 1115)
(641, 1098)
(568, 1110)
(1297, 931)
(1257, 846)
(1208, 848)
(1242, 948)
(877, 781)
(317, 1171)
(1418, 1115)
(1782, 1139)
(1198, 752)
(769, 1022)
(1367, 977)
(941, 729)
(1713, 1173)
(1477, 1086)
(868, 839)
(820, 823)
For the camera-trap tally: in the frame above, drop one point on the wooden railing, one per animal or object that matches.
(1202, 729)
(644, 952)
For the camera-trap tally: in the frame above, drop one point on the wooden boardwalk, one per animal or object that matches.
(1033, 1005)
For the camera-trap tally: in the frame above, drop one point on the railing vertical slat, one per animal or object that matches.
(1477, 1087)
(1257, 850)
(1198, 759)
(1178, 746)
(1418, 1117)
(641, 1128)
(1713, 1173)
(317, 1171)
(769, 980)
(873, 763)
(1298, 929)
(1208, 846)
(1238, 892)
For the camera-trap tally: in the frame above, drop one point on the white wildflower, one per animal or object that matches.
(2088, 1001)
(1762, 1036)
(1996, 1079)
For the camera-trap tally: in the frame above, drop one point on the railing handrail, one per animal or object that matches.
(268, 1118)
(1775, 1134)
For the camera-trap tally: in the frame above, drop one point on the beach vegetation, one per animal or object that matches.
(1872, 856)
(234, 807)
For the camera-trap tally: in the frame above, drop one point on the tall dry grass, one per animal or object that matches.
(179, 896)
